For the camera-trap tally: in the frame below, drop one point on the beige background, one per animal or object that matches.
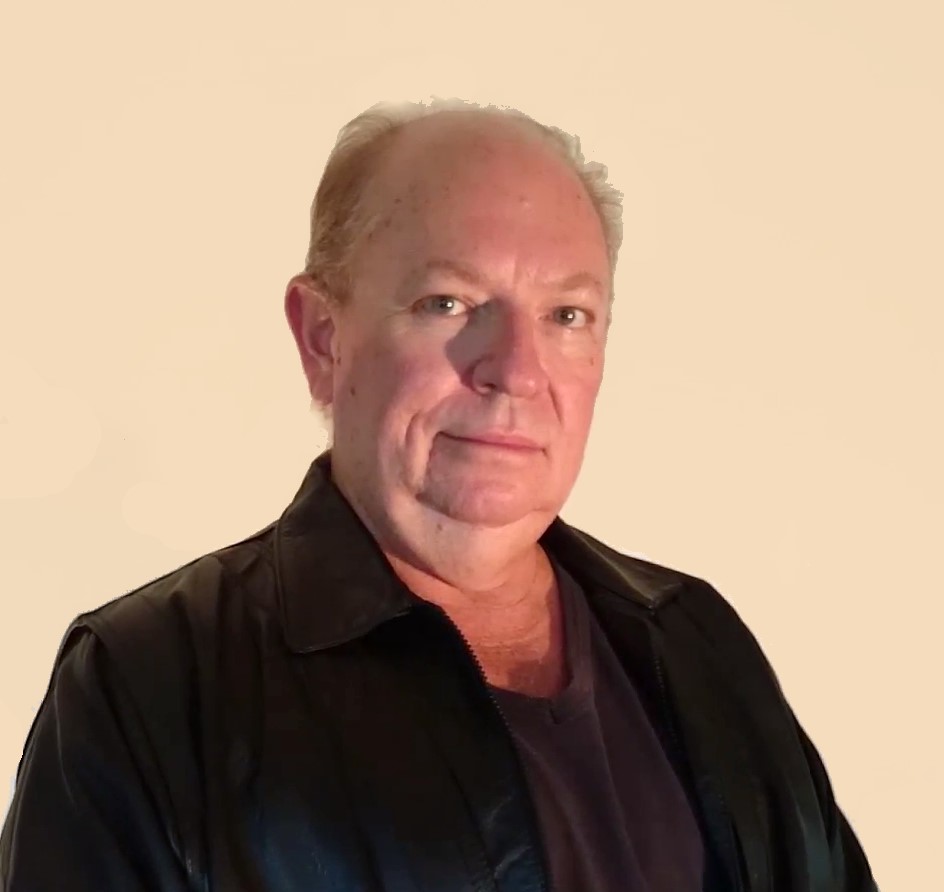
(771, 417)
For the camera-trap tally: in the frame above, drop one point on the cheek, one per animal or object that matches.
(578, 383)
(392, 381)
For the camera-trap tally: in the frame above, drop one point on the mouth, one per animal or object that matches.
(497, 440)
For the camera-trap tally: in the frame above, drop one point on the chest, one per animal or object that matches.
(539, 670)
(527, 653)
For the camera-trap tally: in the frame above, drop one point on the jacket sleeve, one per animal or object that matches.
(849, 863)
(88, 813)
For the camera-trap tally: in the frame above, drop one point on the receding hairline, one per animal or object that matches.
(469, 123)
(349, 202)
(408, 142)
(448, 126)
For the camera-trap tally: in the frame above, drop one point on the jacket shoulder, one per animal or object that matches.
(160, 640)
(119, 734)
(166, 610)
(687, 606)
(655, 584)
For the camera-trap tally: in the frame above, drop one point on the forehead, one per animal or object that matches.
(461, 186)
(456, 155)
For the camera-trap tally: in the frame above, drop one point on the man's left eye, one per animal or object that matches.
(572, 317)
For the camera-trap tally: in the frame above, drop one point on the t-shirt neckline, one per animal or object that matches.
(577, 696)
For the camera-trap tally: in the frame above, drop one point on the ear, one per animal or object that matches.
(312, 319)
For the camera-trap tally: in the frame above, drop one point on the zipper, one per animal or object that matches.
(530, 804)
(664, 694)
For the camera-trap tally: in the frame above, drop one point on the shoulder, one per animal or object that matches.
(689, 608)
(701, 625)
(237, 576)
(655, 585)
(128, 711)
(155, 639)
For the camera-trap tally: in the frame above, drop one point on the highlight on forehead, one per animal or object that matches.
(475, 130)
(452, 143)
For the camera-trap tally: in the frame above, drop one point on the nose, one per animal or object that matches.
(511, 359)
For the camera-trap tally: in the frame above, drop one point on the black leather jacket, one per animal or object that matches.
(283, 714)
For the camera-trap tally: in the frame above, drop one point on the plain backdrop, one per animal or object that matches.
(771, 413)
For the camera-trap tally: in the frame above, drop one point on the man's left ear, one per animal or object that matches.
(311, 317)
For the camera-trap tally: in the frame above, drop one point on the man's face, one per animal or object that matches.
(480, 308)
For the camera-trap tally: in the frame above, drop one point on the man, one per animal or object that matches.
(420, 677)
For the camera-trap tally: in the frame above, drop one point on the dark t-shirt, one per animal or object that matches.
(613, 814)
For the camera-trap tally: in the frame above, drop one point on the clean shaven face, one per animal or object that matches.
(471, 353)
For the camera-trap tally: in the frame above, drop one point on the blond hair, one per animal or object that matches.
(341, 221)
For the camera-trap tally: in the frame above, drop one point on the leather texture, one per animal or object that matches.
(284, 714)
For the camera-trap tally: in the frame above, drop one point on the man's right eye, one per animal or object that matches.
(441, 304)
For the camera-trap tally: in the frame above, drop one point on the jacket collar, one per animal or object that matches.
(335, 584)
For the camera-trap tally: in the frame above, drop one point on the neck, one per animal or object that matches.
(513, 589)
(481, 576)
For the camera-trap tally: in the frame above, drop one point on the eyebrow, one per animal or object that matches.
(469, 274)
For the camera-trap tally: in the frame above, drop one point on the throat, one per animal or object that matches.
(527, 654)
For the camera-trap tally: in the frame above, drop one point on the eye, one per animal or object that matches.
(570, 317)
(441, 305)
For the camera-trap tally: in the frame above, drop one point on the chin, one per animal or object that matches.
(484, 505)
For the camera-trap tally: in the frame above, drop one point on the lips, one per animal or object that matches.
(496, 438)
